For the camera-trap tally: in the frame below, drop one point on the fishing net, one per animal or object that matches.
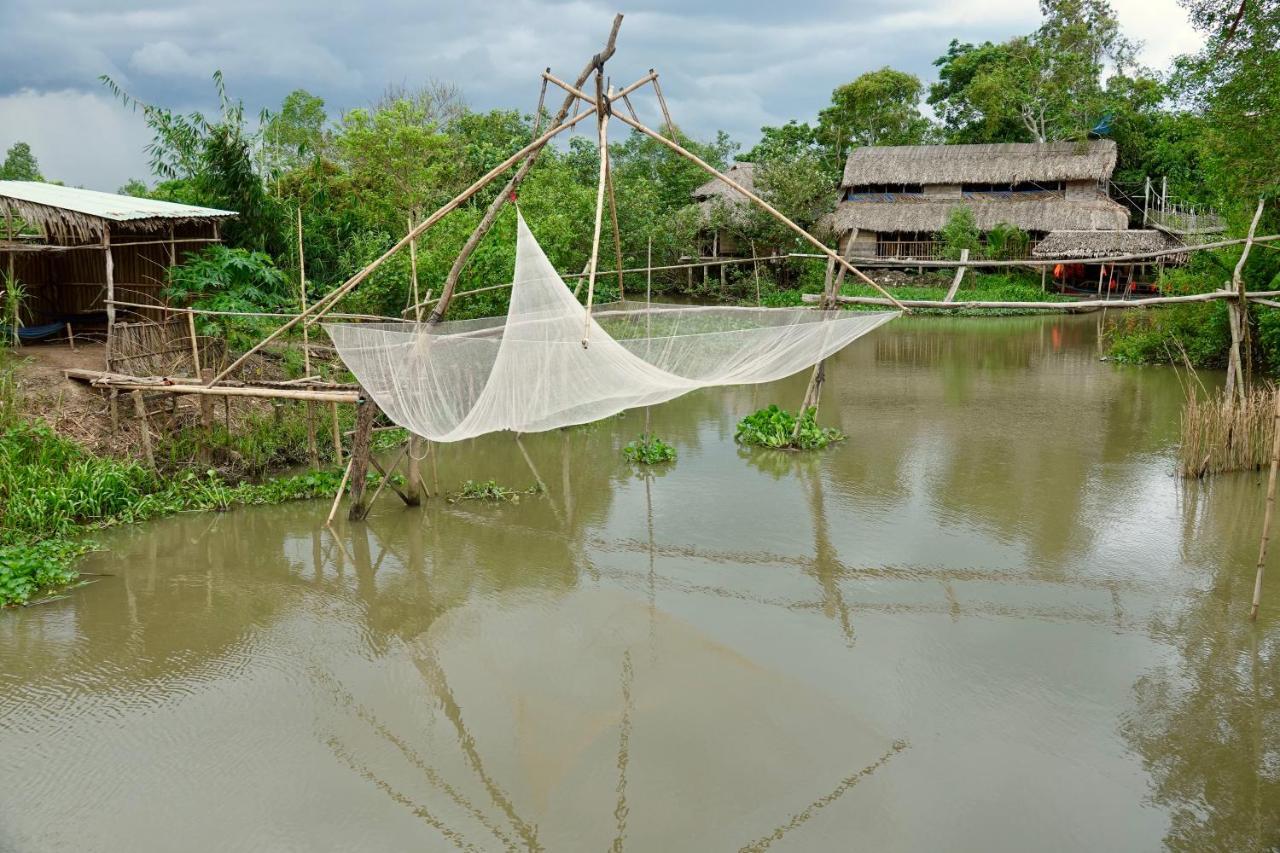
(549, 363)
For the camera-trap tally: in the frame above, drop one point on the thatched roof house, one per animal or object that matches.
(715, 195)
(899, 196)
(1085, 245)
(77, 252)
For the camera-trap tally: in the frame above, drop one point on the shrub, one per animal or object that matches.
(960, 232)
(774, 427)
(1007, 242)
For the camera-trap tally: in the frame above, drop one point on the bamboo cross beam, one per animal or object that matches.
(757, 200)
(596, 62)
(321, 306)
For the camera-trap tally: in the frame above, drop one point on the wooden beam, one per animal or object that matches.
(360, 451)
(955, 283)
(1067, 307)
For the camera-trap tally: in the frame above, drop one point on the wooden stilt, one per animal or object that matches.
(413, 272)
(413, 482)
(337, 499)
(337, 432)
(755, 271)
(1271, 504)
(195, 345)
(140, 412)
(360, 450)
(111, 290)
(313, 450)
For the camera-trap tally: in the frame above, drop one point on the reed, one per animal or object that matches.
(1220, 435)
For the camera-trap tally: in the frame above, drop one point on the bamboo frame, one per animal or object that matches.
(491, 213)
(603, 125)
(768, 208)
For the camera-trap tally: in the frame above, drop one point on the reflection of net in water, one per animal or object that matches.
(548, 364)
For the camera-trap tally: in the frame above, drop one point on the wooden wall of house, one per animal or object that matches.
(73, 284)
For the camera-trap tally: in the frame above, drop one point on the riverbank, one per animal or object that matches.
(66, 469)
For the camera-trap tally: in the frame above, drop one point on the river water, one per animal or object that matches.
(991, 620)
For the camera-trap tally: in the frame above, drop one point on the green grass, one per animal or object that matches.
(981, 287)
(488, 490)
(52, 491)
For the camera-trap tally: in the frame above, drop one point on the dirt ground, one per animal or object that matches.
(82, 413)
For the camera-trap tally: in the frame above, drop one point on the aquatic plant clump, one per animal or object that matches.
(776, 428)
(649, 450)
(488, 490)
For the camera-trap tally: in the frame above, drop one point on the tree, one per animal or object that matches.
(211, 162)
(295, 133)
(20, 164)
(1042, 87)
(878, 108)
(135, 188)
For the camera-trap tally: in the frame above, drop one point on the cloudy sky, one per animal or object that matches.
(724, 65)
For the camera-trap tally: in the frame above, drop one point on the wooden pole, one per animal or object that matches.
(1271, 504)
(711, 170)
(1064, 307)
(413, 270)
(111, 289)
(360, 450)
(491, 213)
(140, 412)
(1237, 371)
(195, 345)
(955, 283)
(337, 499)
(413, 482)
(755, 271)
(648, 273)
(662, 102)
(11, 280)
(320, 307)
(313, 451)
(613, 216)
(603, 125)
(337, 432)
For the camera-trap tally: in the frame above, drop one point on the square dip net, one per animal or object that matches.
(549, 363)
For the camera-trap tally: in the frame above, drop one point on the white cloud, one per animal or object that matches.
(79, 138)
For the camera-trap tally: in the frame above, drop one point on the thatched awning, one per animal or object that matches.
(742, 173)
(1005, 163)
(70, 213)
(1032, 214)
(1101, 244)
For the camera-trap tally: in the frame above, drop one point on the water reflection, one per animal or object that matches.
(730, 653)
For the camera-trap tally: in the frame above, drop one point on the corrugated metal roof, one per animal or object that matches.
(118, 208)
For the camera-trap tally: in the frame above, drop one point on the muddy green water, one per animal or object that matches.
(993, 620)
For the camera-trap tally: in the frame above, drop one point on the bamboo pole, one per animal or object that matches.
(337, 499)
(603, 125)
(228, 391)
(386, 477)
(111, 289)
(413, 483)
(1065, 307)
(1267, 514)
(195, 346)
(140, 412)
(760, 202)
(955, 283)
(613, 217)
(413, 271)
(596, 63)
(662, 102)
(313, 451)
(337, 432)
(755, 271)
(1237, 373)
(320, 307)
(360, 449)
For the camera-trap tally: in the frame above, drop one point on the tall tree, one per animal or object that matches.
(878, 108)
(20, 164)
(1046, 86)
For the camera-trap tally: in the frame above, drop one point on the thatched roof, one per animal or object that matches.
(1037, 213)
(1101, 244)
(742, 173)
(1012, 162)
(66, 213)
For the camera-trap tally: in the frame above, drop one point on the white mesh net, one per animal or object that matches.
(530, 371)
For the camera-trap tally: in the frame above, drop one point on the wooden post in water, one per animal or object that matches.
(1238, 314)
(1271, 505)
(360, 450)
(337, 433)
(413, 483)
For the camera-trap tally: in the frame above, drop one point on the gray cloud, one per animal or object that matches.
(730, 66)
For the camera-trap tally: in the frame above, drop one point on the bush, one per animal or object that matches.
(774, 427)
(960, 232)
(649, 450)
(1007, 242)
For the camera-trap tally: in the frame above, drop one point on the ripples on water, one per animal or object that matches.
(991, 620)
